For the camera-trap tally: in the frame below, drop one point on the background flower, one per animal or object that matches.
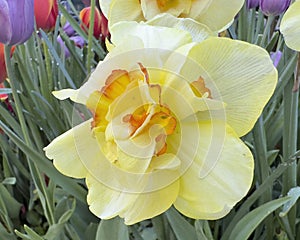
(290, 26)
(274, 7)
(17, 21)
(100, 22)
(215, 14)
(3, 73)
(45, 13)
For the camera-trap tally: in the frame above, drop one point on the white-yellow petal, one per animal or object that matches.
(198, 31)
(237, 73)
(159, 37)
(212, 195)
(290, 26)
(220, 13)
(120, 10)
(66, 150)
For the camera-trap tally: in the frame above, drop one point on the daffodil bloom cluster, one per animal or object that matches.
(216, 14)
(166, 116)
(290, 26)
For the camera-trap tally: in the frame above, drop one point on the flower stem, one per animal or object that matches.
(291, 102)
(90, 36)
(11, 76)
(267, 31)
(38, 179)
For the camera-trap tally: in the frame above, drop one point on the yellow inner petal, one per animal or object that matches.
(165, 5)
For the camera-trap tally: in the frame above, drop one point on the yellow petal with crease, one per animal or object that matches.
(66, 150)
(152, 36)
(237, 73)
(290, 26)
(149, 205)
(212, 195)
(121, 10)
(198, 31)
(107, 203)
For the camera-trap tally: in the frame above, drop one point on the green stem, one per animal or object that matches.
(291, 102)
(90, 37)
(267, 31)
(260, 144)
(11, 76)
(33, 168)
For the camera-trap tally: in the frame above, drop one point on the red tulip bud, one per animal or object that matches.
(3, 73)
(45, 12)
(100, 22)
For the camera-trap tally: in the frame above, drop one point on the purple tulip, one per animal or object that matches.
(276, 56)
(78, 42)
(252, 3)
(16, 21)
(68, 29)
(274, 7)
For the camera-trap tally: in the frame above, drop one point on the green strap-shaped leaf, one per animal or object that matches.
(112, 229)
(247, 224)
(182, 228)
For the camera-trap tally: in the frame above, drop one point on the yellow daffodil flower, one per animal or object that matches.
(290, 26)
(216, 14)
(167, 114)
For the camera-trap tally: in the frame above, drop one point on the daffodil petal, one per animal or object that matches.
(151, 8)
(290, 26)
(198, 7)
(105, 5)
(65, 149)
(220, 13)
(106, 202)
(152, 36)
(65, 94)
(198, 31)
(212, 196)
(239, 74)
(149, 205)
(121, 10)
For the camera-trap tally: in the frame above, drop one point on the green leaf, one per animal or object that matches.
(159, 227)
(31, 235)
(294, 193)
(5, 235)
(11, 204)
(9, 181)
(112, 229)
(70, 185)
(55, 231)
(182, 229)
(248, 223)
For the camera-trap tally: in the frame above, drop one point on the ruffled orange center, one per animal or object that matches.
(161, 118)
(199, 88)
(141, 120)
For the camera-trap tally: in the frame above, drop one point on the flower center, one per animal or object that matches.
(165, 5)
(148, 116)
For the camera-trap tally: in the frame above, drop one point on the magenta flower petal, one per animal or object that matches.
(17, 21)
